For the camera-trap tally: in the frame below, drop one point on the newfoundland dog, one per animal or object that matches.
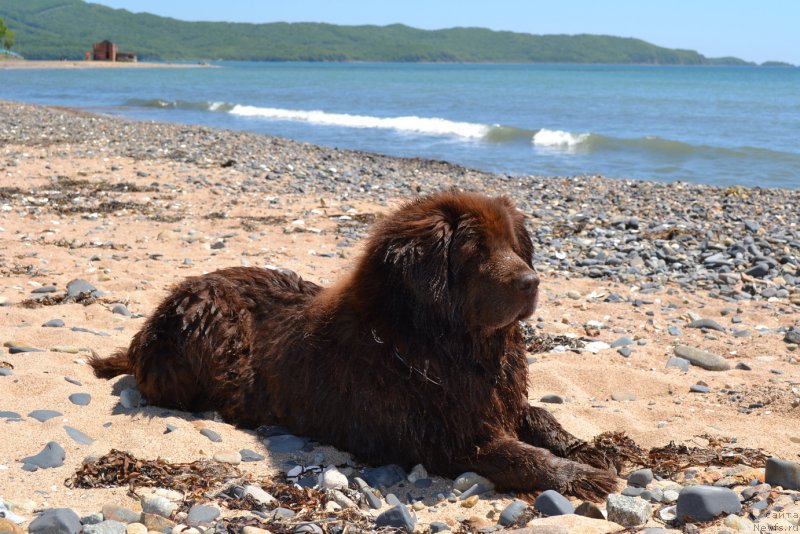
(415, 357)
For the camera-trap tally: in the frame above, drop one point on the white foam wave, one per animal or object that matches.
(423, 125)
(558, 138)
(216, 106)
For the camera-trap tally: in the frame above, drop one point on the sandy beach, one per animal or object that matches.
(628, 269)
(75, 64)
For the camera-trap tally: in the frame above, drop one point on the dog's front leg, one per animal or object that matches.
(539, 428)
(514, 465)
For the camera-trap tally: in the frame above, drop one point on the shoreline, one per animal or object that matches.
(84, 64)
(133, 207)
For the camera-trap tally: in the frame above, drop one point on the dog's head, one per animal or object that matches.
(466, 255)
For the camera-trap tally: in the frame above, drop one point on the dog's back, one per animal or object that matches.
(194, 352)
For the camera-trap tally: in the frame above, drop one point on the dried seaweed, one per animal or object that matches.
(119, 468)
(84, 298)
(536, 343)
(673, 458)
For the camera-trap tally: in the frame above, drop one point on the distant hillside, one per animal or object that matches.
(52, 29)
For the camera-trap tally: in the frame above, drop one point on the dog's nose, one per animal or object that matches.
(527, 283)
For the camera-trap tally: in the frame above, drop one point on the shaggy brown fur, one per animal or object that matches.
(416, 357)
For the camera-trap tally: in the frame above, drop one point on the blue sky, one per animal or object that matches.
(752, 30)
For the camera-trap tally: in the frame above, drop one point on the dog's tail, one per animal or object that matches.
(116, 364)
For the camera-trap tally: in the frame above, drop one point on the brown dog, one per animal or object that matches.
(416, 357)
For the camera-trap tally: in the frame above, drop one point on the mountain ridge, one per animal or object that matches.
(66, 29)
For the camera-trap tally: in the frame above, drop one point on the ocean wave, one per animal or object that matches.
(544, 139)
(413, 124)
(558, 138)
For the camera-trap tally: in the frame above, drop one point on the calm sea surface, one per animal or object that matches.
(715, 125)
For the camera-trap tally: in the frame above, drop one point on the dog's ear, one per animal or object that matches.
(418, 250)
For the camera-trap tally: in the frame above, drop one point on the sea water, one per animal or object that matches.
(715, 125)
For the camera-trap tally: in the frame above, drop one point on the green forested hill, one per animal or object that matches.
(52, 29)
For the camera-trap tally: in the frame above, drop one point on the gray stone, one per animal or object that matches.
(759, 270)
(782, 473)
(92, 519)
(552, 399)
(674, 330)
(466, 480)
(678, 363)
(704, 503)
(210, 434)
(78, 436)
(699, 388)
(121, 309)
(307, 528)
(51, 456)
(105, 527)
(397, 517)
(10, 415)
(625, 352)
(701, 358)
(130, 398)
(628, 511)
(373, 500)
(511, 513)
(792, 336)
(45, 289)
(708, 324)
(44, 415)
(121, 514)
(56, 521)
(632, 491)
(250, 456)
(386, 475)
(77, 287)
(258, 493)
(551, 502)
(5, 371)
(54, 323)
(285, 443)
(640, 478)
(438, 526)
(158, 505)
(622, 342)
(81, 399)
(202, 515)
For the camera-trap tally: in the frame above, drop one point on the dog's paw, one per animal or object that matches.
(591, 484)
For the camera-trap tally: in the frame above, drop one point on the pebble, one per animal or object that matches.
(130, 398)
(211, 435)
(258, 493)
(120, 513)
(157, 522)
(56, 521)
(54, 323)
(373, 500)
(699, 388)
(156, 504)
(792, 336)
(386, 475)
(77, 287)
(250, 456)
(51, 456)
(708, 324)
(44, 415)
(622, 342)
(10, 415)
(512, 512)
(628, 511)
(331, 478)
(640, 478)
(470, 501)
(397, 517)
(783, 473)
(678, 363)
(550, 502)
(202, 515)
(136, 528)
(552, 399)
(418, 472)
(78, 436)
(81, 399)
(45, 289)
(121, 309)
(704, 503)
(228, 457)
(674, 330)
(625, 352)
(105, 527)
(466, 480)
(701, 358)
(438, 526)
(307, 528)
